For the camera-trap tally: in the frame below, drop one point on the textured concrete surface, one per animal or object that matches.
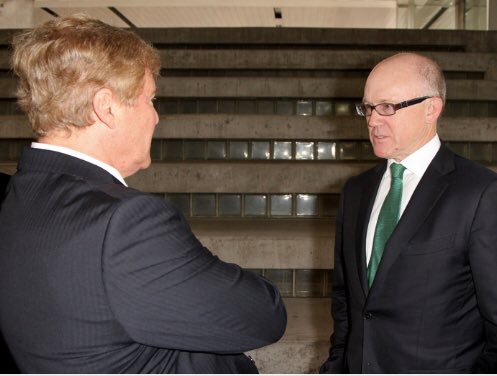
(280, 127)
(270, 244)
(305, 344)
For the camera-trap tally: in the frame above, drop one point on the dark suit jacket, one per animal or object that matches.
(100, 278)
(433, 304)
(7, 364)
(4, 180)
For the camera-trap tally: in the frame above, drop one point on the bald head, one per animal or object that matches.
(425, 72)
(411, 91)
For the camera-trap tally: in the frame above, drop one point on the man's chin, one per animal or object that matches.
(381, 153)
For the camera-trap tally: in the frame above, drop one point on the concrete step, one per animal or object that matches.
(305, 344)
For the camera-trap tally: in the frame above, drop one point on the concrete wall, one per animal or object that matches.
(233, 101)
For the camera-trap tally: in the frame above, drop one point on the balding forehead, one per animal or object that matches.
(393, 80)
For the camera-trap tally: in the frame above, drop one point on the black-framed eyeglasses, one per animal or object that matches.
(386, 109)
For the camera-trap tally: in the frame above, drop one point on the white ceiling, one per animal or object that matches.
(238, 13)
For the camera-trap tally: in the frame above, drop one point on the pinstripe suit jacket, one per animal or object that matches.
(7, 364)
(100, 278)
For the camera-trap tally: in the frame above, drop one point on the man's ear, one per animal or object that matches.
(103, 105)
(434, 109)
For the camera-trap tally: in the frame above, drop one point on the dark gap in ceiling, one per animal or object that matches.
(50, 11)
(435, 17)
(122, 17)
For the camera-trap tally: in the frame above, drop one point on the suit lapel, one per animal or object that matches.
(429, 190)
(368, 196)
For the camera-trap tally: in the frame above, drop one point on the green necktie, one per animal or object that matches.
(387, 219)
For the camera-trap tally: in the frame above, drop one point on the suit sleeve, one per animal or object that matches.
(336, 361)
(167, 290)
(483, 260)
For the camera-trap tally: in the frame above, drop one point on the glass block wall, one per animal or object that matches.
(247, 101)
(275, 80)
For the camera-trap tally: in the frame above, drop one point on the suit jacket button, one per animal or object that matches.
(368, 315)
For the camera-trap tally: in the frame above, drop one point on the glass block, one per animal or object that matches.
(367, 152)
(238, 149)
(281, 205)
(329, 204)
(343, 109)
(461, 108)
(284, 108)
(349, 150)
(460, 148)
(256, 271)
(194, 150)
(329, 283)
(304, 108)
(157, 105)
(282, 150)
(282, 278)
(478, 109)
(204, 205)
(324, 108)
(260, 149)
(226, 106)
(156, 150)
(494, 152)
(326, 150)
(265, 107)
(480, 151)
(10, 150)
(207, 106)
(255, 205)
(173, 149)
(230, 204)
(216, 149)
(181, 201)
(307, 205)
(186, 106)
(4, 150)
(167, 106)
(10, 107)
(492, 109)
(304, 150)
(309, 283)
(246, 106)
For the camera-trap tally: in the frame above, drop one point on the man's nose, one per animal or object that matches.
(372, 120)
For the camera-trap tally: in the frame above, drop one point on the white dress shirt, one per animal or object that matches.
(73, 153)
(416, 165)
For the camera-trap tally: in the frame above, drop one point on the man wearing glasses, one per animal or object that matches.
(415, 278)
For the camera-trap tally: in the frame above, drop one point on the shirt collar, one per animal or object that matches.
(73, 153)
(419, 161)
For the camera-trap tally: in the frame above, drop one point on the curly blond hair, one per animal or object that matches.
(64, 62)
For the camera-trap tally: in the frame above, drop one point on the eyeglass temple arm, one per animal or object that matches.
(400, 105)
(410, 102)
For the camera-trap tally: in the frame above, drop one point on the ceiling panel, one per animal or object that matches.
(103, 14)
(340, 17)
(199, 17)
(237, 13)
